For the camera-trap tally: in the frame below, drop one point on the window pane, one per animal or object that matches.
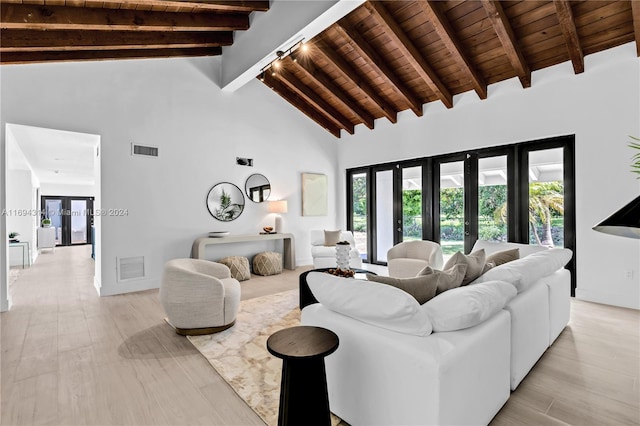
(384, 213)
(492, 198)
(412, 203)
(452, 208)
(78, 221)
(546, 198)
(360, 218)
(53, 211)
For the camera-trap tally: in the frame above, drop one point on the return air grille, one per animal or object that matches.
(130, 268)
(149, 151)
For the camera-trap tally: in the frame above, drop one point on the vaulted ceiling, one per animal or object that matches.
(34, 31)
(382, 58)
(390, 56)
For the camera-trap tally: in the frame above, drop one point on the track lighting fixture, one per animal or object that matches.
(275, 64)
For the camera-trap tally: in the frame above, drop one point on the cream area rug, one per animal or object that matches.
(239, 354)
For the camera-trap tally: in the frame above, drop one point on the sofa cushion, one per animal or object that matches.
(422, 288)
(501, 257)
(475, 264)
(331, 238)
(468, 306)
(522, 273)
(447, 279)
(374, 303)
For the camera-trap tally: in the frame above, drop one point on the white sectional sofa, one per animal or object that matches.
(396, 364)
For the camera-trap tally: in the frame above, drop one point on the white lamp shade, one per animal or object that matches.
(279, 206)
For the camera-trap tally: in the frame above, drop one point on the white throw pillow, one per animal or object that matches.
(529, 269)
(468, 306)
(374, 303)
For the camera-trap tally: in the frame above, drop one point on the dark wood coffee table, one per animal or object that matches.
(306, 297)
(303, 389)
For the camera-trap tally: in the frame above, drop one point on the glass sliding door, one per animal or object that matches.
(492, 198)
(412, 203)
(546, 197)
(452, 208)
(385, 226)
(360, 212)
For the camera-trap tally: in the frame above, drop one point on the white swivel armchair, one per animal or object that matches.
(406, 259)
(199, 296)
(325, 256)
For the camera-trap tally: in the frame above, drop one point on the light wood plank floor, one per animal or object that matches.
(70, 357)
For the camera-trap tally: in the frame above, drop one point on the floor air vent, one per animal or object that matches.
(148, 151)
(130, 268)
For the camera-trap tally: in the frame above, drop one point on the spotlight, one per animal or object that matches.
(304, 47)
(262, 76)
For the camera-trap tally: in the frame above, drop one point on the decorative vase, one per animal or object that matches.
(342, 256)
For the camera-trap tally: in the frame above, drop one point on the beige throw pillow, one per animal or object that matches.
(422, 288)
(445, 280)
(331, 238)
(475, 264)
(504, 256)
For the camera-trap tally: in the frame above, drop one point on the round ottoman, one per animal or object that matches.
(267, 263)
(239, 267)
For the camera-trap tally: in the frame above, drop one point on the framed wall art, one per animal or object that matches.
(314, 194)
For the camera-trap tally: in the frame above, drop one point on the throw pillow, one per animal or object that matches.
(446, 280)
(465, 307)
(475, 264)
(331, 238)
(374, 303)
(422, 288)
(501, 257)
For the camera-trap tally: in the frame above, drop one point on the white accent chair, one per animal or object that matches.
(325, 256)
(199, 296)
(407, 258)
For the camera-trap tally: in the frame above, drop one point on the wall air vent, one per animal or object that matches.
(130, 268)
(148, 151)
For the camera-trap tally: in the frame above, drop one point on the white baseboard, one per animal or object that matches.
(606, 298)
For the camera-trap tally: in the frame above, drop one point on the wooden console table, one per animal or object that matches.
(288, 257)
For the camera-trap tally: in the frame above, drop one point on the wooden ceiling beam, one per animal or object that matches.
(410, 52)
(375, 61)
(322, 80)
(301, 104)
(34, 17)
(42, 41)
(83, 55)
(448, 36)
(568, 27)
(245, 6)
(348, 72)
(507, 38)
(635, 11)
(292, 82)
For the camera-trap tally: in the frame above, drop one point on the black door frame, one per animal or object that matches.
(517, 194)
(65, 233)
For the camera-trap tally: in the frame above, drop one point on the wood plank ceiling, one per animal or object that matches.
(34, 31)
(390, 56)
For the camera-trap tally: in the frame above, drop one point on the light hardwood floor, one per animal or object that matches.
(70, 357)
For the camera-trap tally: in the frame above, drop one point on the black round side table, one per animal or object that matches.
(303, 389)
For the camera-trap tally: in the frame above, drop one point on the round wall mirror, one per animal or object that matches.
(225, 202)
(257, 188)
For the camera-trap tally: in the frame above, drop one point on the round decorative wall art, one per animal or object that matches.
(225, 202)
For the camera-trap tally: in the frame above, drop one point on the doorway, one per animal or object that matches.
(71, 217)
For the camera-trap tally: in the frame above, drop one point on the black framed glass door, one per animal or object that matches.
(71, 217)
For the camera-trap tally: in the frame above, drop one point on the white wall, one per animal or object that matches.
(21, 213)
(71, 190)
(601, 107)
(176, 105)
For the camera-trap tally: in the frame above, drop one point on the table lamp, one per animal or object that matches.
(278, 207)
(623, 223)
